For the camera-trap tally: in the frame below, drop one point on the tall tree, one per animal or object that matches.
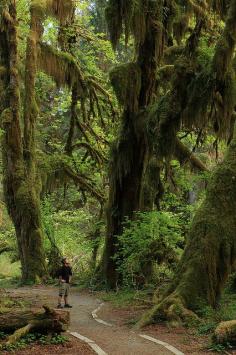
(20, 189)
(210, 253)
(151, 24)
(21, 177)
(23, 182)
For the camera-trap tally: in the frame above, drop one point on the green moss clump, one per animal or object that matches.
(225, 333)
(6, 116)
(126, 81)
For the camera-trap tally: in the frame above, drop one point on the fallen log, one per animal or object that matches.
(24, 322)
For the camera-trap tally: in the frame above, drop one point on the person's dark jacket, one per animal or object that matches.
(64, 273)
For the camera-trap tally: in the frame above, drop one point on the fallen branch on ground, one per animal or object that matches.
(24, 322)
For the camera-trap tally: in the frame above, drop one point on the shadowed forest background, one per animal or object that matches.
(118, 149)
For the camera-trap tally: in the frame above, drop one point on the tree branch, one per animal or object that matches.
(183, 154)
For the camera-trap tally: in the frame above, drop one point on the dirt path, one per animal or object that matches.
(113, 340)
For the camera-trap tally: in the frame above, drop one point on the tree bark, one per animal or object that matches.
(210, 253)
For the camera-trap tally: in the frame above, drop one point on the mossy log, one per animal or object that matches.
(210, 253)
(225, 333)
(23, 322)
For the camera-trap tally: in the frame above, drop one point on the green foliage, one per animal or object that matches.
(72, 231)
(58, 339)
(205, 53)
(8, 268)
(206, 328)
(32, 338)
(148, 241)
(210, 318)
(219, 348)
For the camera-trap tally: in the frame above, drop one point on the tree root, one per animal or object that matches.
(172, 310)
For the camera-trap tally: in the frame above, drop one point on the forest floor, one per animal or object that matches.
(111, 328)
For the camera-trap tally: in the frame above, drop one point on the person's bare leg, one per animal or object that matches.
(66, 299)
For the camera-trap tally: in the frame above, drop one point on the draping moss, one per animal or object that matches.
(126, 81)
(132, 16)
(61, 66)
(61, 9)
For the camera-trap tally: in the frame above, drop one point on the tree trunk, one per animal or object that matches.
(210, 253)
(21, 189)
(124, 198)
(132, 154)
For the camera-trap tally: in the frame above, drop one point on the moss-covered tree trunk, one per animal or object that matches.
(20, 187)
(210, 254)
(131, 154)
(124, 200)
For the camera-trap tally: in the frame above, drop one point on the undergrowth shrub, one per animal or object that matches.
(148, 248)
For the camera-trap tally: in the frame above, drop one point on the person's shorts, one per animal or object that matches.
(64, 289)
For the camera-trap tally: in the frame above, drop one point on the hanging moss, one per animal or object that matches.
(200, 91)
(119, 12)
(199, 8)
(122, 157)
(224, 101)
(61, 9)
(126, 81)
(170, 13)
(212, 93)
(61, 66)
(180, 27)
(220, 7)
(39, 8)
(114, 21)
(226, 45)
(137, 16)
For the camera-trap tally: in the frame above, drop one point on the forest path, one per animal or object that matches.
(115, 339)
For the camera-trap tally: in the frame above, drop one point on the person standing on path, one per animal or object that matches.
(64, 276)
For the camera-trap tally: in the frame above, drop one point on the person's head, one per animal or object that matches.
(65, 261)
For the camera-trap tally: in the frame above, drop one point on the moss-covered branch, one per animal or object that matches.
(184, 154)
(83, 183)
(94, 153)
(62, 67)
